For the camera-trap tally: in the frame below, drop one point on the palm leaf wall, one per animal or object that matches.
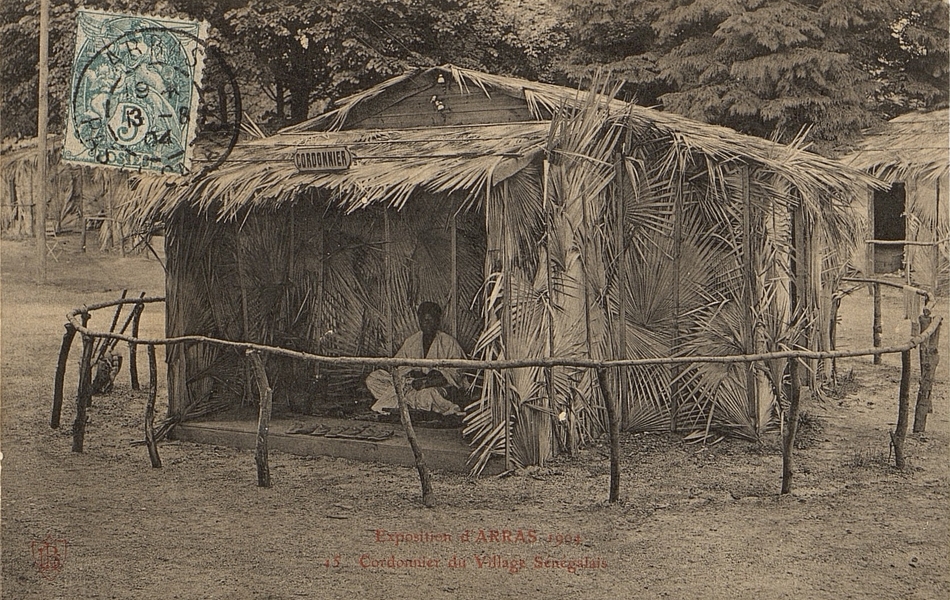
(574, 310)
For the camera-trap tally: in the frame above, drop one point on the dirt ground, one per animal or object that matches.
(695, 521)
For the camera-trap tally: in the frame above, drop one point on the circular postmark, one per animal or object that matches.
(144, 99)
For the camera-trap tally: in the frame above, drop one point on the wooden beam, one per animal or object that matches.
(68, 336)
(621, 255)
(929, 359)
(454, 287)
(549, 282)
(910, 191)
(42, 124)
(425, 478)
(904, 242)
(150, 409)
(748, 294)
(133, 353)
(104, 346)
(388, 259)
(583, 363)
(245, 317)
(935, 250)
(791, 426)
(869, 267)
(506, 326)
(83, 171)
(674, 346)
(84, 394)
(613, 432)
(876, 327)
(797, 296)
(903, 404)
(263, 420)
(320, 300)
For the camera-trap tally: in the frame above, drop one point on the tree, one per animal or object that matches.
(292, 57)
(19, 38)
(771, 67)
(911, 62)
(312, 52)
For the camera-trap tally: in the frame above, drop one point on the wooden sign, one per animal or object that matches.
(327, 158)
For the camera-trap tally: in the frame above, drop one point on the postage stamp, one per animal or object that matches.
(135, 91)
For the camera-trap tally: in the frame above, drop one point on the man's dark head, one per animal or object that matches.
(430, 316)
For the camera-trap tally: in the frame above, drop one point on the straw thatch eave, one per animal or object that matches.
(911, 146)
(803, 169)
(390, 165)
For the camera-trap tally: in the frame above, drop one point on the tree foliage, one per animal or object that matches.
(770, 67)
(313, 52)
(765, 67)
(19, 38)
(292, 57)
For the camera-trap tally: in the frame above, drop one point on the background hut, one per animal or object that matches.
(911, 219)
(77, 197)
(547, 221)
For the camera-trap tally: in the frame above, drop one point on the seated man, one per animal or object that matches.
(423, 389)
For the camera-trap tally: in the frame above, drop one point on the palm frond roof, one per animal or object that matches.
(914, 145)
(390, 164)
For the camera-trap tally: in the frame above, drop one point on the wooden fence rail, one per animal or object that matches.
(77, 321)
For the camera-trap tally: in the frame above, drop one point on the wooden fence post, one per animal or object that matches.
(613, 416)
(425, 478)
(61, 375)
(791, 429)
(263, 422)
(106, 342)
(133, 361)
(929, 358)
(903, 406)
(84, 394)
(833, 336)
(150, 410)
(876, 327)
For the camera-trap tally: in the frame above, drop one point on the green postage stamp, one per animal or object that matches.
(135, 89)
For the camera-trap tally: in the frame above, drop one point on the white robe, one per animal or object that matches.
(380, 383)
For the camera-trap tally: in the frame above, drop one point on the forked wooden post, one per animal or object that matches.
(133, 360)
(263, 422)
(903, 407)
(613, 432)
(84, 395)
(425, 478)
(676, 370)
(833, 336)
(454, 276)
(929, 358)
(797, 297)
(506, 325)
(61, 375)
(748, 295)
(791, 428)
(150, 410)
(106, 342)
(876, 327)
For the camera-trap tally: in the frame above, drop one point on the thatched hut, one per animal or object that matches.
(908, 225)
(75, 196)
(547, 221)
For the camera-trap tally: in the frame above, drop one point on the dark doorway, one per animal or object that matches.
(889, 224)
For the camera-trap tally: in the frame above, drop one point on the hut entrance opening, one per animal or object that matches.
(889, 225)
(317, 279)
